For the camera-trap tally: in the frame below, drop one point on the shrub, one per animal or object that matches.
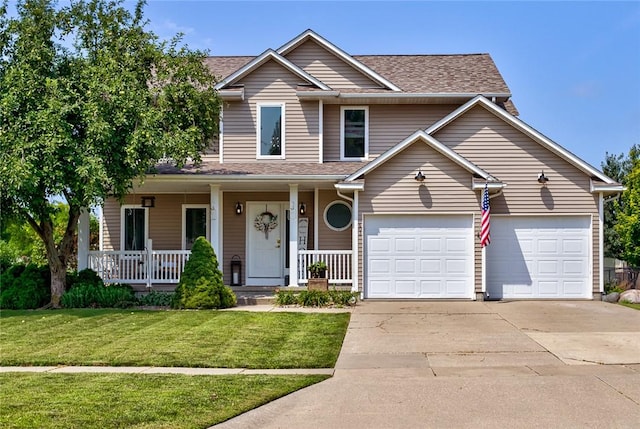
(88, 291)
(286, 297)
(201, 284)
(317, 298)
(156, 299)
(25, 287)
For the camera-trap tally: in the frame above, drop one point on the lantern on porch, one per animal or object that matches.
(236, 271)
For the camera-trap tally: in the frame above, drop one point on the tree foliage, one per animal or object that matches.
(628, 225)
(90, 101)
(622, 213)
(201, 284)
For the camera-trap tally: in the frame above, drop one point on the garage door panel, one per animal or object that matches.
(430, 287)
(405, 245)
(539, 257)
(426, 256)
(405, 266)
(379, 244)
(456, 266)
(382, 266)
(405, 287)
(430, 266)
(430, 245)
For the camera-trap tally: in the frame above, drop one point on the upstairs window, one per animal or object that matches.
(354, 133)
(271, 130)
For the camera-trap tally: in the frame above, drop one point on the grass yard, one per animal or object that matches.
(51, 401)
(171, 338)
(627, 304)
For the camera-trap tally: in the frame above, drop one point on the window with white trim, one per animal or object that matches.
(134, 228)
(195, 223)
(271, 130)
(337, 215)
(354, 133)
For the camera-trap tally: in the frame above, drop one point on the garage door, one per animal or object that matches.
(539, 257)
(418, 256)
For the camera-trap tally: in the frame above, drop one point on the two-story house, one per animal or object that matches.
(376, 164)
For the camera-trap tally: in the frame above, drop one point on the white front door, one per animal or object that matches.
(265, 243)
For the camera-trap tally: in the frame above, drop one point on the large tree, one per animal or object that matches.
(628, 224)
(90, 101)
(617, 167)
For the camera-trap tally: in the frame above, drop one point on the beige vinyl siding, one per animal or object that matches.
(328, 68)
(234, 231)
(391, 188)
(516, 159)
(388, 125)
(271, 83)
(165, 219)
(328, 239)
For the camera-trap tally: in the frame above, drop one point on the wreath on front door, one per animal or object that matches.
(266, 222)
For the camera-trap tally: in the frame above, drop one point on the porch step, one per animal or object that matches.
(248, 298)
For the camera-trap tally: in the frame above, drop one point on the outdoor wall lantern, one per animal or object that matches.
(236, 271)
(420, 177)
(239, 208)
(148, 202)
(303, 209)
(542, 179)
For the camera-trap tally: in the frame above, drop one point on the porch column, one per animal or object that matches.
(293, 235)
(83, 239)
(354, 242)
(216, 221)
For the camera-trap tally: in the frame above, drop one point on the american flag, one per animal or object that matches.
(485, 223)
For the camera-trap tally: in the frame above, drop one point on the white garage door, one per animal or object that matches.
(539, 257)
(415, 256)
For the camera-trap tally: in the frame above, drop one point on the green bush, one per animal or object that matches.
(157, 299)
(317, 298)
(25, 287)
(88, 291)
(201, 284)
(286, 297)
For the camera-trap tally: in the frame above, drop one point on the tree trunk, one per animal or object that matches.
(58, 280)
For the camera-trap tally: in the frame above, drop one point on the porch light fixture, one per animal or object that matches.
(420, 177)
(239, 208)
(148, 202)
(303, 209)
(542, 179)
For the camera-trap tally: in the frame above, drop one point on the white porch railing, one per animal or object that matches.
(339, 265)
(139, 266)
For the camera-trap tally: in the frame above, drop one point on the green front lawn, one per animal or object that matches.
(171, 338)
(89, 401)
(627, 304)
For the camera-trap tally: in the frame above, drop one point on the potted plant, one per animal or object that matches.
(318, 270)
(317, 278)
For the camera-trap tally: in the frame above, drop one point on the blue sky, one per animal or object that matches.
(573, 67)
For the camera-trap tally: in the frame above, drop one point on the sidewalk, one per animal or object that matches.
(165, 370)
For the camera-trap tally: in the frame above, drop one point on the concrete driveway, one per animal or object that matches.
(570, 364)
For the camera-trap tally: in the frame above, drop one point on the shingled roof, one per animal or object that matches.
(466, 73)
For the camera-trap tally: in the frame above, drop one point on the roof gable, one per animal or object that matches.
(433, 143)
(310, 34)
(525, 129)
(269, 55)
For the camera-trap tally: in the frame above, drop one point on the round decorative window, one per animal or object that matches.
(337, 215)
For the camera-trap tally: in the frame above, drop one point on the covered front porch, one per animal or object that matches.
(265, 233)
